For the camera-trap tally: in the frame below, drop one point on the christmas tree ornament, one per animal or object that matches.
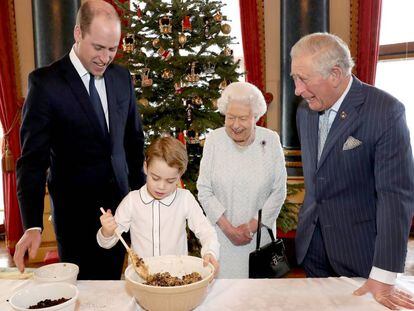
(143, 101)
(223, 84)
(134, 78)
(160, 51)
(156, 43)
(128, 45)
(167, 74)
(145, 80)
(165, 25)
(218, 17)
(189, 113)
(197, 100)
(182, 39)
(178, 87)
(193, 137)
(227, 51)
(192, 76)
(209, 68)
(226, 29)
(165, 54)
(214, 103)
(139, 13)
(206, 21)
(186, 24)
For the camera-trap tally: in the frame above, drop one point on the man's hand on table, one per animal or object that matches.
(30, 241)
(387, 295)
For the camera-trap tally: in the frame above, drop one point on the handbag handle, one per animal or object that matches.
(259, 231)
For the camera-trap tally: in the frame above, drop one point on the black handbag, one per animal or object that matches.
(270, 260)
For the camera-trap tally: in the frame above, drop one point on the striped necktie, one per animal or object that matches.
(323, 131)
(97, 105)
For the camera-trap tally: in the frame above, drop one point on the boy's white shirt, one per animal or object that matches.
(158, 227)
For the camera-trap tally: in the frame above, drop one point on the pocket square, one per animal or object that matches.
(351, 143)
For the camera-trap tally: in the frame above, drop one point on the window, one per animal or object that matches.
(396, 58)
(232, 11)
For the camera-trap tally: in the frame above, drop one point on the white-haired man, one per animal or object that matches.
(358, 169)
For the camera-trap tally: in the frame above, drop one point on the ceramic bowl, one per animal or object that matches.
(26, 297)
(177, 298)
(57, 272)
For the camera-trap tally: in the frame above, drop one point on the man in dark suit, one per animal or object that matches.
(80, 131)
(358, 169)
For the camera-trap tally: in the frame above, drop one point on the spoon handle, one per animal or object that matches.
(117, 233)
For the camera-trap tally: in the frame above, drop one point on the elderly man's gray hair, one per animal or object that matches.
(245, 93)
(328, 50)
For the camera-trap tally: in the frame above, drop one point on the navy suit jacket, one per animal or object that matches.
(363, 197)
(60, 134)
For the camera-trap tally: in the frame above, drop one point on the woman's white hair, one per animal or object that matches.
(246, 93)
(328, 50)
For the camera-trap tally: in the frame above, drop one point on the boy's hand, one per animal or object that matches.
(208, 258)
(108, 224)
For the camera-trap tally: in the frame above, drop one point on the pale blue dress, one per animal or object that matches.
(237, 181)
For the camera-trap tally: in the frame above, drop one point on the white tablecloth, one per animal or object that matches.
(241, 295)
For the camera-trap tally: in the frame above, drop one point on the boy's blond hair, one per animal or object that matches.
(169, 149)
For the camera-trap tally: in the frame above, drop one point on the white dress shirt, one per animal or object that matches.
(158, 227)
(99, 82)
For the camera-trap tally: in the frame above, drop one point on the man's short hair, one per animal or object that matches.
(328, 50)
(92, 8)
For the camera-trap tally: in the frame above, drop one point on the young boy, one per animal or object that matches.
(156, 214)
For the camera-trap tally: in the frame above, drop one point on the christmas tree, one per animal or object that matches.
(179, 56)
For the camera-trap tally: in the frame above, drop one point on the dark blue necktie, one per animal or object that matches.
(97, 105)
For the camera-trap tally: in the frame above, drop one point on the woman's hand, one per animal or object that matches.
(240, 235)
(209, 258)
(108, 224)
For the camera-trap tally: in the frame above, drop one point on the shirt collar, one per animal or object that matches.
(147, 198)
(338, 103)
(81, 70)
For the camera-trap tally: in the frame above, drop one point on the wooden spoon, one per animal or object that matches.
(137, 262)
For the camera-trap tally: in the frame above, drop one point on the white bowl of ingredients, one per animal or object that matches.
(45, 297)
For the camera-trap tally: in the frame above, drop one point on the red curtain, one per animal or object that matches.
(369, 19)
(252, 29)
(10, 107)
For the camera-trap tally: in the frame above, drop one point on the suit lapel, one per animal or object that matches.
(112, 104)
(312, 132)
(346, 118)
(78, 88)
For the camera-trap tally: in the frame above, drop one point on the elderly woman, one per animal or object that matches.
(242, 171)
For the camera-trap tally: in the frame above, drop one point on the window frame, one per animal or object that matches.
(402, 50)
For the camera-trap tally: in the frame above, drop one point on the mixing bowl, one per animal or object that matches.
(176, 298)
